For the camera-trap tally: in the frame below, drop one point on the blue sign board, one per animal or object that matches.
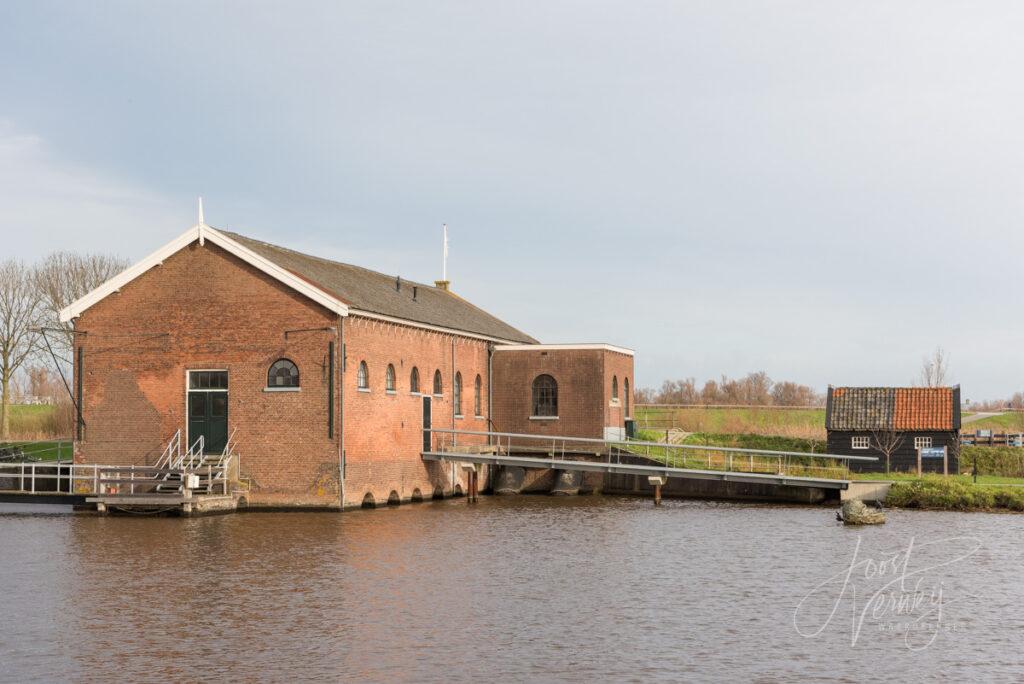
(933, 452)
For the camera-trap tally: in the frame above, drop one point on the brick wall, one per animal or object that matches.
(584, 377)
(205, 309)
(384, 431)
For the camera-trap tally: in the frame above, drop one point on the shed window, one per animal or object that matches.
(922, 442)
(389, 379)
(363, 376)
(458, 394)
(414, 380)
(283, 373)
(860, 442)
(437, 383)
(545, 396)
(477, 391)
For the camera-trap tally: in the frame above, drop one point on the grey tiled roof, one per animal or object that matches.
(861, 408)
(375, 292)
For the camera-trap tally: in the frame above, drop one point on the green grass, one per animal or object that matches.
(43, 451)
(764, 442)
(1005, 422)
(934, 492)
(966, 479)
(782, 421)
(40, 421)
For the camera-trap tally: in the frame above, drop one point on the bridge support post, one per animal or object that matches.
(657, 482)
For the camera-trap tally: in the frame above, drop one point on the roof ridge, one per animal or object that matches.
(326, 260)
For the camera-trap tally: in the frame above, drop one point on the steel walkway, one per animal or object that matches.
(654, 459)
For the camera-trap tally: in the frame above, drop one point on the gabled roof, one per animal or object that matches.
(893, 408)
(370, 292)
(341, 288)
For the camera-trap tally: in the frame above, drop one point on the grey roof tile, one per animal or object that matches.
(375, 292)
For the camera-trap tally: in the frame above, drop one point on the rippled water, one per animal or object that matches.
(528, 588)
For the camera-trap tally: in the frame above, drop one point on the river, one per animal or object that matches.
(513, 589)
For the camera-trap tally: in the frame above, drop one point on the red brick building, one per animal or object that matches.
(325, 373)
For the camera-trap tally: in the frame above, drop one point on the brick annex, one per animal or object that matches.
(326, 374)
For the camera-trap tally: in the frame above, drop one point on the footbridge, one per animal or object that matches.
(646, 459)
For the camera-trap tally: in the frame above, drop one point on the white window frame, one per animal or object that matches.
(922, 443)
(860, 442)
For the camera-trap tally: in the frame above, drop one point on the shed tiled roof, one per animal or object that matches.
(893, 408)
(375, 292)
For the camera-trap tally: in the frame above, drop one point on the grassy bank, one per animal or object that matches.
(803, 423)
(40, 451)
(41, 421)
(934, 492)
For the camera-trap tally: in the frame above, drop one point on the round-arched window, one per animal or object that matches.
(363, 376)
(545, 396)
(437, 382)
(389, 379)
(458, 394)
(414, 380)
(283, 373)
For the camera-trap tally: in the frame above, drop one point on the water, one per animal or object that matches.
(510, 589)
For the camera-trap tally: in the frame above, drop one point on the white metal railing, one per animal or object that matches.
(172, 452)
(684, 456)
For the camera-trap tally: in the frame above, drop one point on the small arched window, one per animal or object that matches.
(625, 394)
(437, 383)
(389, 379)
(458, 394)
(414, 380)
(615, 388)
(545, 396)
(363, 376)
(477, 403)
(283, 373)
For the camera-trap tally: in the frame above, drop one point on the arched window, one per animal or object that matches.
(389, 379)
(437, 383)
(283, 373)
(458, 394)
(625, 393)
(477, 403)
(545, 396)
(363, 376)
(414, 380)
(615, 388)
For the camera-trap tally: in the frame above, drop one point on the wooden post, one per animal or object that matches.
(919, 461)
(945, 461)
(657, 494)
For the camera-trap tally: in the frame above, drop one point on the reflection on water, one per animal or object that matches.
(508, 589)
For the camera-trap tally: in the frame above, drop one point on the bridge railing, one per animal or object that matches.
(686, 456)
(104, 480)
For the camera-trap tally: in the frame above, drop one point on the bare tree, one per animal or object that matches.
(19, 316)
(65, 277)
(935, 369)
(886, 442)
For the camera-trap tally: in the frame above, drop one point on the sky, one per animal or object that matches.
(826, 191)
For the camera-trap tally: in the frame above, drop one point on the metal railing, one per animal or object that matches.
(671, 455)
(105, 480)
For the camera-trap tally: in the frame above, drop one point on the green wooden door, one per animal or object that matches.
(208, 410)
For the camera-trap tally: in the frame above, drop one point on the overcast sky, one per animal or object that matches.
(823, 190)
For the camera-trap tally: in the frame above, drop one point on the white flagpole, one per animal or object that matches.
(444, 257)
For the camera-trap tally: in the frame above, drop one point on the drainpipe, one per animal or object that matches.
(452, 395)
(341, 409)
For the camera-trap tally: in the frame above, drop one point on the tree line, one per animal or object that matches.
(754, 389)
(31, 298)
